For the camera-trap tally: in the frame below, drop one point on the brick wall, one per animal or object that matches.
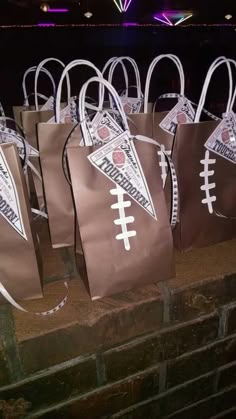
(163, 351)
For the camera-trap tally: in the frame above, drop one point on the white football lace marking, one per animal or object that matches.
(207, 187)
(123, 220)
(163, 163)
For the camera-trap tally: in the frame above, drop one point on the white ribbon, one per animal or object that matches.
(83, 105)
(217, 63)
(11, 300)
(71, 65)
(33, 70)
(133, 63)
(39, 68)
(152, 66)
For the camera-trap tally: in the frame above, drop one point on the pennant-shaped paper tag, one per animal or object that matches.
(131, 105)
(67, 114)
(9, 201)
(119, 161)
(223, 139)
(104, 128)
(182, 113)
(49, 105)
(8, 135)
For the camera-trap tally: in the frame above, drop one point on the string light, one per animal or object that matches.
(52, 10)
(114, 25)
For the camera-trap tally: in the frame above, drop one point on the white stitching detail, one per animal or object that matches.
(123, 220)
(208, 186)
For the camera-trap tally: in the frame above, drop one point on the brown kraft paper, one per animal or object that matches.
(20, 259)
(197, 226)
(29, 121)
(110, 268)
(58, 194)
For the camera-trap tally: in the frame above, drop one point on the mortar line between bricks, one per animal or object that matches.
(43, 411)
(101, 369)
(219, 416)
(8, 339)
(155, 398)
(47, 372)
(166, 295)
(164, 330)
(162, 377)
(212, 397)
(223, 317)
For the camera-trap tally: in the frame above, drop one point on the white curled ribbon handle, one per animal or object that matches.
(152, 66)
(179, 96)
(39, 213)
(11, 300)
(174, 181)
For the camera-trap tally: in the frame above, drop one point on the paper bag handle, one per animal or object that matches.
(33, 70)
(153, 64)
(40, 66)
(120, 60)
(82, 106)
(217, 63)
(71, 65)
(108, 64)
(32, 94)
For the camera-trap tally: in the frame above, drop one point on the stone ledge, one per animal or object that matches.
(204, 281)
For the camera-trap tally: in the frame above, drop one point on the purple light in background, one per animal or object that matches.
(46, 24)
(172, 17)
(129, 24)
(51, 10)
(162, 19)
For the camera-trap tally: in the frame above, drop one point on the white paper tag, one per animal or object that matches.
(119, 161)
(67, 114)
(131, 105)
(223, 140)
(9, 201)
(8, 135)
(104, 128)
(49, 105)
(182, 113)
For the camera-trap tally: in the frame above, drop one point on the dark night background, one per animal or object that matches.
(196, 46)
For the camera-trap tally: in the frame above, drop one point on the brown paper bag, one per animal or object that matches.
(124, 246)
(19, 261)
(206, 184)
(51, 139)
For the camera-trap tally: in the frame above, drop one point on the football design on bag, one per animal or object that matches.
(127, 108)
(225, 136)
(104, 134)
(163, 163)
(122, 221)
(181, 118)
(118, 157)
(208, 186)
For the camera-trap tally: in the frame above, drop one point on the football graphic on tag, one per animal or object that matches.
(118, 157)
(67, 118)
(225, 136)
(128, 108)
(104, 133)
(181, 117)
